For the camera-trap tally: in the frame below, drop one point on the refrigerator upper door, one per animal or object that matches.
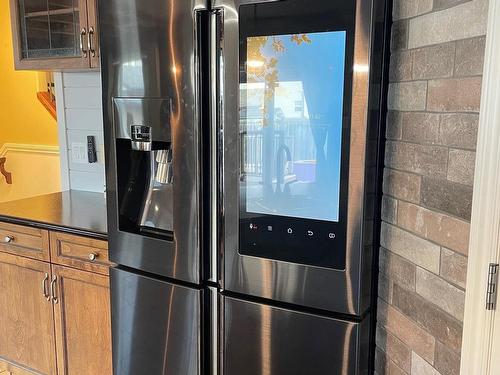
(262, 340)
(156, 326)
(292, 78)
(152, 103)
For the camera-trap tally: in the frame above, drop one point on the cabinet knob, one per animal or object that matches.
(93, 256)
(8, 239)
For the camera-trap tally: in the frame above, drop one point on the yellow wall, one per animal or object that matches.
(33, 173)
(22, 118)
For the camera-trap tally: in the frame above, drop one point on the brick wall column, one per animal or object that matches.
(436, 69)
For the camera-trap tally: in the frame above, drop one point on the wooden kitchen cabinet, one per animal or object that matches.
(26, 317)
(55, 316)
(82, 322)
(54, 34)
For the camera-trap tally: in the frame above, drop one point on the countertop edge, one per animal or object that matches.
(54, 227)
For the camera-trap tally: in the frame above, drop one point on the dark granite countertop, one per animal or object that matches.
(78, 212)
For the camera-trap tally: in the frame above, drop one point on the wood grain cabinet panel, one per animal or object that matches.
(94, 51)
(82, 322)
(79, 252)
(26, 241)
(26, 317)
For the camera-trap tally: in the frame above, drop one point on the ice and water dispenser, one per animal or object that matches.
(144, 160)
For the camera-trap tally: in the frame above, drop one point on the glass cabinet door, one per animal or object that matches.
(52, 29)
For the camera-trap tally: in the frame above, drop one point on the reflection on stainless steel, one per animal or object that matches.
(156, 326)
(131, 113)
(214, 328)
(163, 173)
(150, 74)
(216, 151)
(149, 50)
(245, 274)
(278, 341)
(357, 170)
(157, 210)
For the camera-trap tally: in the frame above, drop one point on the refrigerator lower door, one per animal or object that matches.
(156, 326)
(265, 340)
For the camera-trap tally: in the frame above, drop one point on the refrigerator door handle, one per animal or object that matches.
(216, 144)
(224, 107)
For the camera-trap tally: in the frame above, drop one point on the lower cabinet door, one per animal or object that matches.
(264, 340)
(26, 317)
(82, 322)
(156, 326)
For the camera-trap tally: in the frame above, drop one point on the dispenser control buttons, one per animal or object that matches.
(289, 230)
(141, 137)
(310, 233)
(141, 133)
(331, 236)
(253, 226)
(269, 228)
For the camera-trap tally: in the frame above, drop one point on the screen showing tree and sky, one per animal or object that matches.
(291, 116)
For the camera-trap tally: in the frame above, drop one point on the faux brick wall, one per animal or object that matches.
(434, 95)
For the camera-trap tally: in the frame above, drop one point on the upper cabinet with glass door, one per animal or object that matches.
(55, 34)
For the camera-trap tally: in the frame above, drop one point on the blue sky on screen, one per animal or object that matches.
(314, 71)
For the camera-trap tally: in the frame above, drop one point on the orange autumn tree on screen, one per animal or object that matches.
(264, 68)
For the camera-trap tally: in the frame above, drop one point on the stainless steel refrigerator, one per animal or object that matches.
(242, 161)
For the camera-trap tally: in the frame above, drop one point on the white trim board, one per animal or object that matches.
(61, 131)
(477, 343)
(28, 148)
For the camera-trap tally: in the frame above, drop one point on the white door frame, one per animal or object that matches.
(484, 243)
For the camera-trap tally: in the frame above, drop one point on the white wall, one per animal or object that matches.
(80, 115)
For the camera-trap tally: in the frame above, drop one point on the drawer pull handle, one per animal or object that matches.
(55, 300)
(8, 239)
(93, 256)
(45, 292)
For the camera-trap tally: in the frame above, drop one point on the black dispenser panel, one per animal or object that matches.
(144, 164)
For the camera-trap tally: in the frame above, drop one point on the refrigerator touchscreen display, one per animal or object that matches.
(291, 123)
(294, 137)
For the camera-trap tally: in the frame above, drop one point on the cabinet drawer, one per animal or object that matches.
(79, 252)
(25, 241)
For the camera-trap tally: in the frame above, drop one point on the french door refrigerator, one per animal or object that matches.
(242, 162)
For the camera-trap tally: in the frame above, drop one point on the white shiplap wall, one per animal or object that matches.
(80, 115)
